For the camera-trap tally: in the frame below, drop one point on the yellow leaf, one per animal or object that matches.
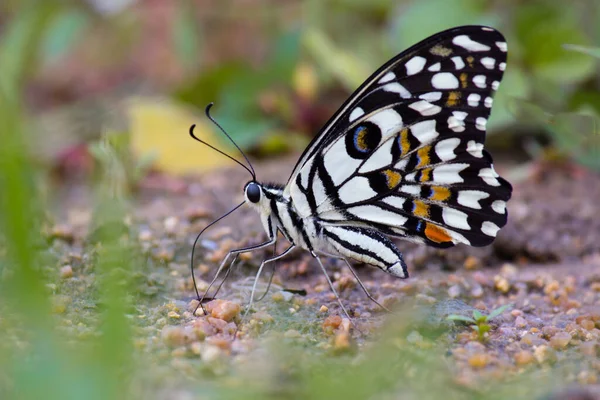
(162, 127)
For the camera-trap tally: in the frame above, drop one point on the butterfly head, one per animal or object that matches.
(253, 192)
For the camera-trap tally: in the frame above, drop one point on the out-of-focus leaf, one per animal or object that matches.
(577, 135)
(585, 99)
(285, 56)
(592, 51)
(543, 29)
(63, 31)
(514, 85)
(344, 66)
(423, 18)
(161, 128)
(19, 45)
(186, 35)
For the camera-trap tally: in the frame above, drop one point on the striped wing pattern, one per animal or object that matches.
(404, 155)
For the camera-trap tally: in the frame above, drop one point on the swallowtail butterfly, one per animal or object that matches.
(403, 157)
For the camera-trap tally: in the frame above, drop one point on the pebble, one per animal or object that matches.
(523, 357)
(174, 336)
(544, 354)
(479, 360)
(223, 309)
(323, 309)
(560, 340)
(66, 272)
(331, 323)
(501, 284)
(472, 262)
(173, 315)
(454, 291)
(170, 224)
(342, 342)
(520, 322)
(63, 232)
(590, 349)
(210, 353)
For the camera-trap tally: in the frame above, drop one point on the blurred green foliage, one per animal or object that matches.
(552, 70)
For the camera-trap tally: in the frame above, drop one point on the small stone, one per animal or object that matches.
(323, 309)
(196, 348)
(477, 291)
(454, 291)
(210, 353)
(174, 336)
(523, 357)
(544, 354)
(170, 225)
(145, 235)
(520, 322)
(63, 232)
(331, 323)
(587, 324)
(590, 349)
(173, 315)
(342, 342)
(560, 340)
(516, 313)
(66, 272)
(472, 262)
(501, 284)
(223, 309)
(478, 360)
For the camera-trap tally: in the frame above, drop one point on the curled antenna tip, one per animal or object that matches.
(208, 107)
(192, 131)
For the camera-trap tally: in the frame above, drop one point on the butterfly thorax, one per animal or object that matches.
(277, 213)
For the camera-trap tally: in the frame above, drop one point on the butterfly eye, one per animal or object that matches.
(253, 192)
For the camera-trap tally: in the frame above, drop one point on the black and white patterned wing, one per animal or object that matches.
(405, 153)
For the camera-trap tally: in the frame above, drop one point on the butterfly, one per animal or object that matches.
(402, 158)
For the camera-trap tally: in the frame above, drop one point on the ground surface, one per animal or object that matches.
(545, 264)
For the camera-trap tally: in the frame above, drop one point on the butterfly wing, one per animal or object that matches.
(405, 153)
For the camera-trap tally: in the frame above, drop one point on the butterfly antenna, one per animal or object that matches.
(219, 151)
(207, 111)
(196, 242)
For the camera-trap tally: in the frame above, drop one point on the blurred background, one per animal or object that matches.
(101, 93)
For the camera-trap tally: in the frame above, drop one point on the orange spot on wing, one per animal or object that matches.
(420, 209)
(436, 234)
(439, 193)
(425, 175)
(470, 60)
(464, 80)
(404, 143)
(393, 178)
(453, 99)
(423, 154)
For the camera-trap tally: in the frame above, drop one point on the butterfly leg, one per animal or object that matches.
(236, 252)
(363, 287)
(333, 290)
(262, 265)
